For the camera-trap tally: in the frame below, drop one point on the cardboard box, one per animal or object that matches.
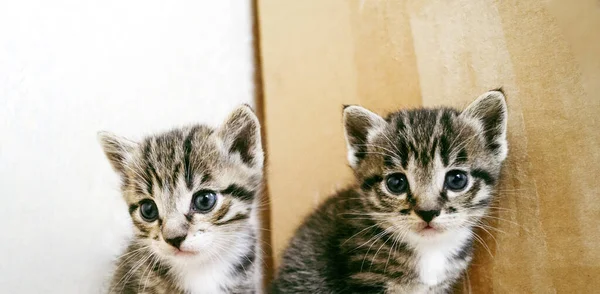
(318, 55)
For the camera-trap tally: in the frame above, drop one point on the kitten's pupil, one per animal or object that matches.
(204, 201)
(148, 210)
(397, 183)
(456, 180)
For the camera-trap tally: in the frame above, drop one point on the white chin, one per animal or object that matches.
(429, 233)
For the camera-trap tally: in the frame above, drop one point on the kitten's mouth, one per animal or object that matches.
(428, 230)
(184, 253)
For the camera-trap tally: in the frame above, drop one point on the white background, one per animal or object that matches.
(71, 68)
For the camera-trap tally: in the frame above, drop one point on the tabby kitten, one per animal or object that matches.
(192, 195)
(424, 179)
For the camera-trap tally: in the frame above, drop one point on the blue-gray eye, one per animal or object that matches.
(456, 180)
(148, 210)
(396, 183)
(204, 201)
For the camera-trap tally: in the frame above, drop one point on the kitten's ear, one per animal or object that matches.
(241, 134)
(490, 112)
(359, 125)
(117, 150)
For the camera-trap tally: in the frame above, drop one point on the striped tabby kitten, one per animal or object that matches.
(192, 197)
(424, 179)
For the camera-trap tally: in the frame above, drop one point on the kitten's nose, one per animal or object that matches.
(427, 215)
(175, 242)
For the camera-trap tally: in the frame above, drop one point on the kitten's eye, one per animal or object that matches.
(396, 183)
(204, 201)
(456, 180)
(148, 210)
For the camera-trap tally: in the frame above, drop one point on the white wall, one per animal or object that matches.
(70, 68)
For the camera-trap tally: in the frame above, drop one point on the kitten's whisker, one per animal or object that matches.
(501, 208)
(482, 242)
(125, 261)
(468, 281)
(377, 252)
(378, 153)
(134, 270)
(387, 152)
(147, 270)
(481, 223)
(391, 153)
(480, 226)
(505, 220)
(131, 252)
(128, 274)
(369, 227)
(389, 255)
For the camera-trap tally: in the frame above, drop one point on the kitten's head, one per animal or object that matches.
(192, 192)
(428, 173)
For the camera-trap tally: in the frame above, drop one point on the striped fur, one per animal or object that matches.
(218, 250)
(367, 239)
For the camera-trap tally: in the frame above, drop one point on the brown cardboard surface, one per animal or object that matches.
(318, 55)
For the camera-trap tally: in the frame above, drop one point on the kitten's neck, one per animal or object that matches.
(444, 258)
(235, 268)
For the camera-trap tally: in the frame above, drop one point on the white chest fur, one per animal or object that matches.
(208, 279)
(215, 274)
(435, 257)
(432, 267)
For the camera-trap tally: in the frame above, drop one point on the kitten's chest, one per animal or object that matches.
(433, 272)
(437, 263)
(210, 279)
(433, 267)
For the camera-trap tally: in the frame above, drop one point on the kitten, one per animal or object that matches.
(424, 179)
(192, 195)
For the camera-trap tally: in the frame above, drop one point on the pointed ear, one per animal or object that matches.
(359, 126)
(117, 150)
(241, 135)
(489, 111)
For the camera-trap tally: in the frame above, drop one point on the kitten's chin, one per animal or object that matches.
(429, 231)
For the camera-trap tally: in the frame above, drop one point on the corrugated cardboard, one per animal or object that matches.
(385, 55)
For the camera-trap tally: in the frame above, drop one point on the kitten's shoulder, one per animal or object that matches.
(342, 201)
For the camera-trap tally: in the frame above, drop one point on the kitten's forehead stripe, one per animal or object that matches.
(387, 161)
(187, 150)
(151, 176)
(205, 177)
(434, 145)
(461, 156)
